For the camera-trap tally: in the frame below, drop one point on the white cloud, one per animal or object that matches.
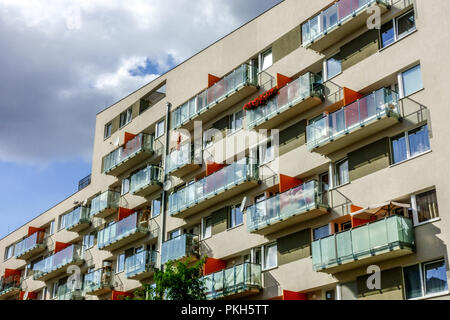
(63, 61)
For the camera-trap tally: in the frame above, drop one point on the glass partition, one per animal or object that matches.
(142, 142)
(118, 230)
(77, 216)
(234, 174)
(145, 177)
(68, 255)
(282, 206)
(360, 113)
(29, 243)
(179, 158)
(97, 280)
(362, 242)
(179, 247)
(307, 85)
(107, 200)
(240, 77)
(141, 262)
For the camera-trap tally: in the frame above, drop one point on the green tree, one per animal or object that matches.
(178, 281)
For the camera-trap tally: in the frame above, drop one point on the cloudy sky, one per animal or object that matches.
(62, 61)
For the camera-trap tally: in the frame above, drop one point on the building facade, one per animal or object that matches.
(299, 154)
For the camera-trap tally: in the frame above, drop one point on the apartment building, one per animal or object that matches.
(348, 173)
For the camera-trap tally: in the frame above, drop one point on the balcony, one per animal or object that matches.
(146, 181)
(286, 209)
(338, 21)
(30, 246)
(122, 232)
(354, 122)
(65, 293)
(98, 282)
(77, 220)
(215, 188)
(10, 287)
(295, 98)
(213, 101)
(141, 265)
(134, 152)
(180, 248)
(57, 263)
(105, 204)
(234, 283)
(378, 241)
(181, 162)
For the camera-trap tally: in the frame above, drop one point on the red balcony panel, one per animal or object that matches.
(124, 213)
(212, 80)
(213, 265)
(291, 295)
(120, 295)
(33, 230)
(212, 167)
(287, 183)
(282, 80)
(59, 246)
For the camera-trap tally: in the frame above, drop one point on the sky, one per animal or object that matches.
(61, 62)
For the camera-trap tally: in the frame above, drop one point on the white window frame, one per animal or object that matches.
(336, 173)
(233, 122)
(51, 227)
(262, 55)
(107, 132)
(415, 211)
(152, 208)
(160, 124)
(423, 283)
(263, 257)
(122, 192)
(128, 117)
(400, 81)
(408, 147)
(395, 27)
(8, 252)
(235, 207)
(171, 233)
(204, 230)
(117, 263)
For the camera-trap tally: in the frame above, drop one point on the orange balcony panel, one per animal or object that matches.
(212, 80)
(120, 295)
(287, 183)
(212, 167)
(213, 265)
(124, 213)
(282, 80)
(291, 295)
(59, 246)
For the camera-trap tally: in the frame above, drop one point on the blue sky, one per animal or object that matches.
(62, 62)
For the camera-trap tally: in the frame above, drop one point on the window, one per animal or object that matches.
(266, 59)
(266, 153)
(125, 117)
(341, 175)
(425, 279)
(333, 66)
(120, 263)
(62, 222)
(330, 295)
(411, 80)
(270, 256)
(88, 240)
(410, 144)
(108, 130)
(321, 232)
(174, 234)
(125, 186)
(207, 228)
(236, 217)
(425, 207)
(156, 208)
(324, 186)
(160, 129)
(236, 121)
(397, 28)
(51, 228)
(9, 252)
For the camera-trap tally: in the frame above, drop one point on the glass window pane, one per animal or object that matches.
(333, 66)
(270, 256)
(435, 277)
(321, 232)
(406, 24)
(207, 227)
(412, 80)
(267, 59)
(342, 176)
(387, 34)
(413, 287)
(419, 141)
(427, 206)
(399, 152)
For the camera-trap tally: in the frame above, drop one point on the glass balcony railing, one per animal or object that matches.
(119, 230)
(307, 85)
(283, 206)
(58, 260)
(333, 17)
(141, 262)
(179, 158)
(107, 200)
(232, 175)
(9, 284)
(30, 243)
(141, 143)
(65, 293)
(372, 239)
(381, 103)
(244, 75)
(237, 279)
(97, 280)
(78, 216)
(150, 175)
(180, 247)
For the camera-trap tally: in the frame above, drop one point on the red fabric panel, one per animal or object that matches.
(124, 213)
(59, 246)
(31, 295)
(290, 295)
(213, 265)
(282, 80)
(212, 80)
(212, 167)
(11, 273)
(33, 230)
(355, 208)
(356, 222)
(287, 183)
(351, 96)
(128, 136)
(119, 295)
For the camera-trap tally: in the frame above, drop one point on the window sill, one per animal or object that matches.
(342, 185)
(269, 269)
(413, 93)
(428, 222)
(235, 227)
(412, 158)
(400, 39)
(430, 296)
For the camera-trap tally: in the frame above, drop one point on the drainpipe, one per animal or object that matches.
(164, 193)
